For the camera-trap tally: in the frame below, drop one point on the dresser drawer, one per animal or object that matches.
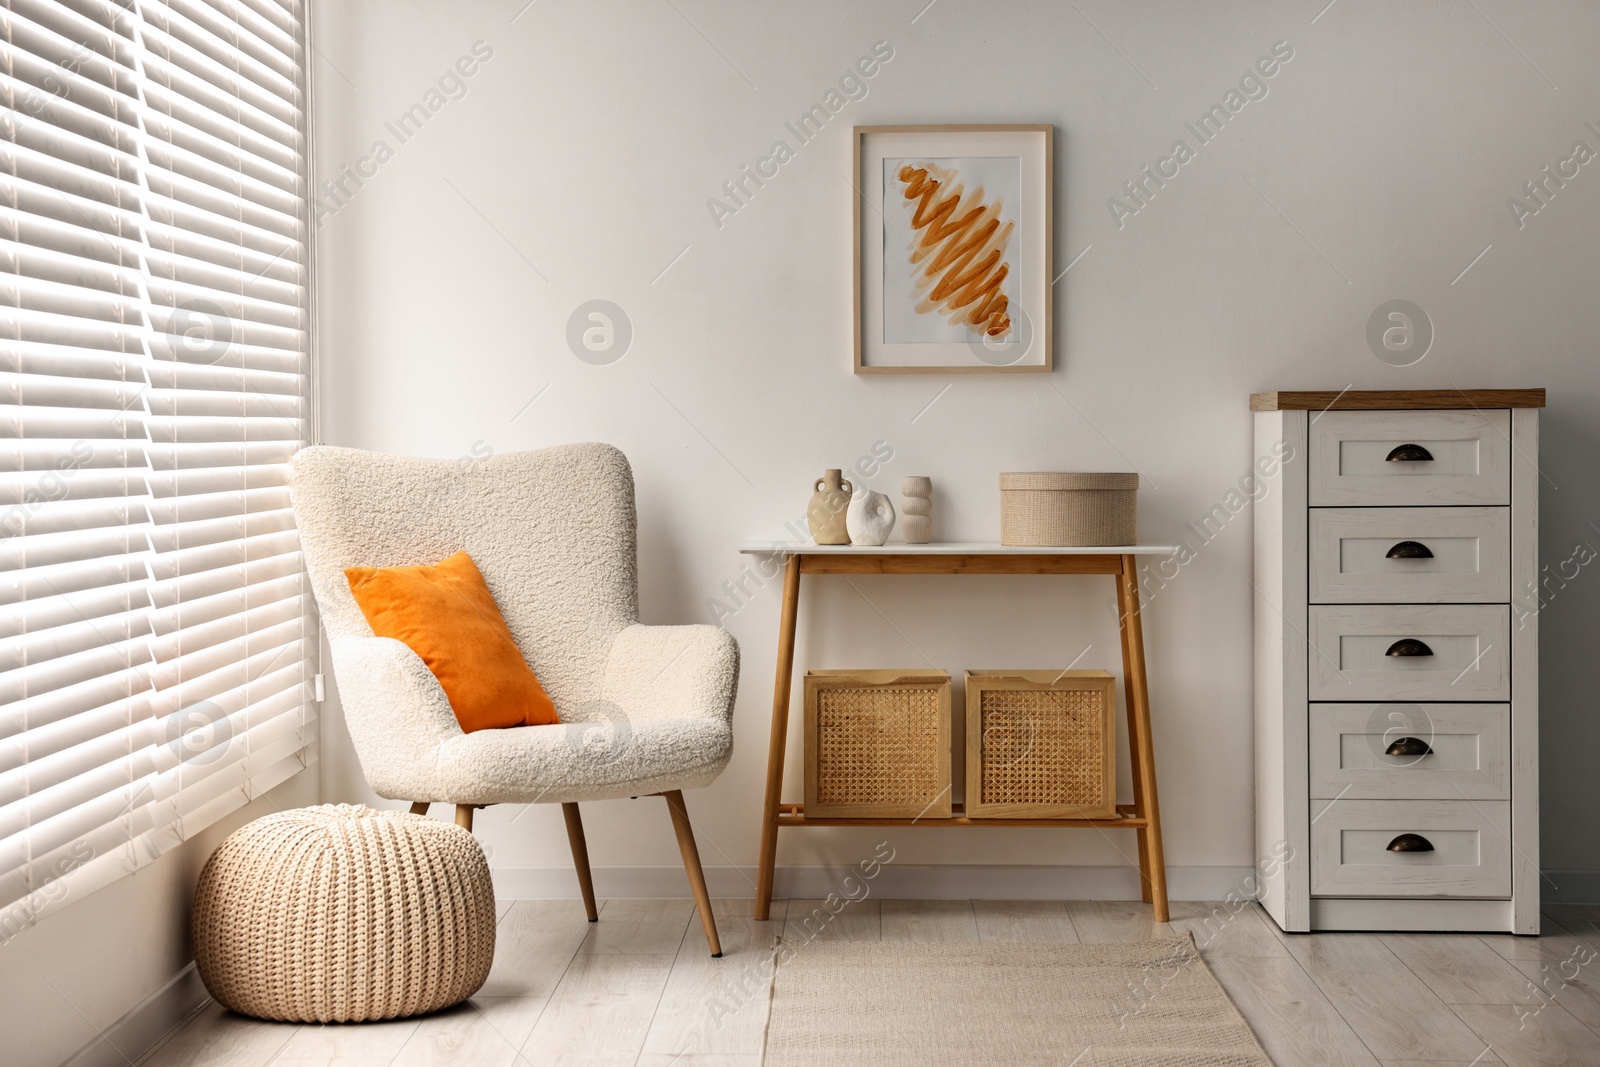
(1410, 555)
(1462, 652)
(1470, 855)
(1469, 458)
(1442, 751)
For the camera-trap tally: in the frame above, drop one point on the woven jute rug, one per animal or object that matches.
(889, 1004)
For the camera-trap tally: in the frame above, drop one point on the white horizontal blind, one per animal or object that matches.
(155, 628)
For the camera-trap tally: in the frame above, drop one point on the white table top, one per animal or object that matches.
(951, 548)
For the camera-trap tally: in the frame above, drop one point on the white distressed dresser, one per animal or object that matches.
(1396, 659)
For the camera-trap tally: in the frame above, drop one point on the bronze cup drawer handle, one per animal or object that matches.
(1409, 454)
(1409, 746)
(1409, 646)
(1411, 843)
(1409, 550)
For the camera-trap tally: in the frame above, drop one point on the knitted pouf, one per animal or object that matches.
(340, 913)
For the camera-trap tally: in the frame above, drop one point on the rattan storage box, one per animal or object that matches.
(1055, 509)
(1041, 744)
(877, 743)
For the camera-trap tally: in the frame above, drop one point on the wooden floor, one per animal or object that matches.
(638, 988)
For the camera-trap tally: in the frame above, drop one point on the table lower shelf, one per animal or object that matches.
(1128, 818)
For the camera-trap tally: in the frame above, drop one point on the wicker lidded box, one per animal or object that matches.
(1058, 508)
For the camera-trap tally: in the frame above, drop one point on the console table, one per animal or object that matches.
(1118, 562)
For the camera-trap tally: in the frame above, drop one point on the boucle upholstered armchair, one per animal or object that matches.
(644, 709)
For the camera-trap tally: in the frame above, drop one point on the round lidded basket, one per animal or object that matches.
(1067, 509)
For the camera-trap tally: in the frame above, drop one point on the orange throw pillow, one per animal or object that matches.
(446, 614)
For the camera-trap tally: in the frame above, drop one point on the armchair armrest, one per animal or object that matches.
(673, 672)
(397, 714)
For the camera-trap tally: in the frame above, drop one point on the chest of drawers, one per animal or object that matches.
(1396, 659)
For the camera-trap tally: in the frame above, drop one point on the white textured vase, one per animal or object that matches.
(870, 517)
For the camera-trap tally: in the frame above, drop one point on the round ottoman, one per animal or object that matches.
(340, 913)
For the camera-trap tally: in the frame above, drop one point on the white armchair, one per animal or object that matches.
(644, 709)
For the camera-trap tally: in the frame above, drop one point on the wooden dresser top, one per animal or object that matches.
(1395, 399)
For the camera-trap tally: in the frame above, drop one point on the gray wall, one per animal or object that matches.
(578, 165)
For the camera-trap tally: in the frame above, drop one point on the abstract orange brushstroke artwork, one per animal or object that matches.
(963, 240)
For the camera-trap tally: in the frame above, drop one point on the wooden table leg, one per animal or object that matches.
(1133, 760)
(1152, 861)
(779, 741)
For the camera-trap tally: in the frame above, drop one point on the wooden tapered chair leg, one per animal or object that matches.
(580, 858)
(420, 807)
(691, 866)
(464, 817)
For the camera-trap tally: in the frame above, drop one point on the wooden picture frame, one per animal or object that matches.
(980, 682)
(913, 316)
(874, 685)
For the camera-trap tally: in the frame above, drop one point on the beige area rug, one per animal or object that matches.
(889, 1004)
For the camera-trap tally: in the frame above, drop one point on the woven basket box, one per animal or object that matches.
(1052, 509)
(1041, 744)
(877, 744)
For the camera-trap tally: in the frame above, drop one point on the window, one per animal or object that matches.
(156, 636)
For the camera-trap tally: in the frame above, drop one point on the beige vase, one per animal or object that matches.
(828, 509)
(916, 509)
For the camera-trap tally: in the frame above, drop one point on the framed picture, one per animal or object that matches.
(952, 249)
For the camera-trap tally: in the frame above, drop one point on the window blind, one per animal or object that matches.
(156, 637)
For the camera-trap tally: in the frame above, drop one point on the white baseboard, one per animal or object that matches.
(1572, 887)
(152, 1019)
(895, 881)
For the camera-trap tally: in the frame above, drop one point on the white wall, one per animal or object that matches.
(105, 976)
(579, 164)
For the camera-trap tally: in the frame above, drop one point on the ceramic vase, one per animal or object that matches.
(828, 508)
(869, 518)
(916, 509)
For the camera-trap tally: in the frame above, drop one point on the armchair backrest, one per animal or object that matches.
(552, 531)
